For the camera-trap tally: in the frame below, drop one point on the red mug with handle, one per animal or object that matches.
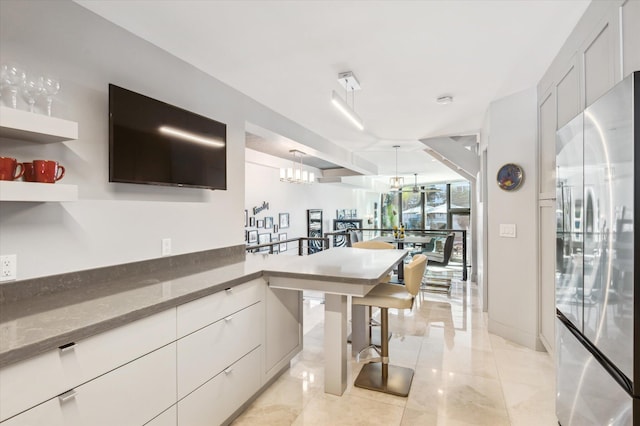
(47, 171)
(10, 169)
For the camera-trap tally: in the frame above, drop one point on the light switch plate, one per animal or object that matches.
(508, 230)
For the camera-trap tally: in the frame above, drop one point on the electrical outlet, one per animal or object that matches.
(166, 246)
(8, 267)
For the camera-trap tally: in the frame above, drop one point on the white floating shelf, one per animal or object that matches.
(37, 192)
(32, 127)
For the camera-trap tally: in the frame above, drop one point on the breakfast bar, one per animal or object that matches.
(338, 273)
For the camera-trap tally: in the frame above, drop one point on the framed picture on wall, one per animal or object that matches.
(264, 239)
(284, 220)
(246, 218)
(283, 246)
(344, 225)
(314, 229)
(276, 247)
(252, 221)
(253, 236)
(260, 223)
(268, 222)
(275, 228)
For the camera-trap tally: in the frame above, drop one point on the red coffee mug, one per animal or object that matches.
(47, 171)
(9, 168)
(29, 175)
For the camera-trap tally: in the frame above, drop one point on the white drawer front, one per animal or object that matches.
(168, 418)
(130, 395)
(202, 312)
(217, 399)
(205, 353)
(35, 380)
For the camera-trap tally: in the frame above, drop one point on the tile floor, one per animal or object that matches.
(463, 374)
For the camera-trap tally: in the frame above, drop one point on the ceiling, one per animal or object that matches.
(287, 56)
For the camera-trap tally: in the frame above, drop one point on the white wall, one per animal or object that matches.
(511, 135)
(263, 184)
(117, 223)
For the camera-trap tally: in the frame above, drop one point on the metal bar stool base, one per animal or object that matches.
(375, 337)
(397, 382)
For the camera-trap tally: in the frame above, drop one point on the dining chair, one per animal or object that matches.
(434, 284)
(380, 376)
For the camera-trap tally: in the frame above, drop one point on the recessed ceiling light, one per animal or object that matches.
(444, 100)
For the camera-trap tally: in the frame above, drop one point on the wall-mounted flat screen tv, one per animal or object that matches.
(152, 142)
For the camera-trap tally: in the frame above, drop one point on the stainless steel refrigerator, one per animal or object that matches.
(597, 290)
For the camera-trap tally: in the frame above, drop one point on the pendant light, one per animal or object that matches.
(296, 173)
(396, 182)
(350, 83)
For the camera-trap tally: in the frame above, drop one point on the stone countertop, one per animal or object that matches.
(343, 265)
(33, 326)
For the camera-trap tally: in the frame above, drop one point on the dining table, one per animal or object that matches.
(338, 273)
(400, 242)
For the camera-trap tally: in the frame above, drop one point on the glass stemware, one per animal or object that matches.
(3, 77)
(51, 87)
(14, 78)
(33, 87)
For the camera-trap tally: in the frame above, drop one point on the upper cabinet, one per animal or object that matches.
(27, 126)
(30, 127)
(630, 17)
(600, 61)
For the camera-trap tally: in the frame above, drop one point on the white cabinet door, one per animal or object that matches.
(547, 147)
(216, 400)
(35, 380)
(630, 14)
(283, 337)
(547, 273)
(599, 58)
(205, 353)
(195, 315)
(168, 418)
(130, 395)
(568, 96)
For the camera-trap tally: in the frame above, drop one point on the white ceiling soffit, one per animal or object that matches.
(287, 55)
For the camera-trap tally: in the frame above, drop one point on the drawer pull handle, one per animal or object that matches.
(67, 347)
(67, 396)
(228, 371)
(229, 318)
(228, 290)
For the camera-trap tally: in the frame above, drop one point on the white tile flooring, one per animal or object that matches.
(463, 374)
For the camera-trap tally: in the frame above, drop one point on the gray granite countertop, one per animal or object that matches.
(35, 325)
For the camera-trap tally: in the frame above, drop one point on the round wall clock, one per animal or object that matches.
(510, 177)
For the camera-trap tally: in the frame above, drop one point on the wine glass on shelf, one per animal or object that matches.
(33, 87)
(14, 78)
(3, 77)
(50, 87)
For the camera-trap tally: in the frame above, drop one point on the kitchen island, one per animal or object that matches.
(173, 308)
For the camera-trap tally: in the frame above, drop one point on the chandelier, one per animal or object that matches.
(396, 183)
(296, 173)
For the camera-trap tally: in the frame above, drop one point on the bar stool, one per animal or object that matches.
(380, 376)
(373, 245)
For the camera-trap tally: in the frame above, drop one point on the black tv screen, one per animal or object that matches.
(152, 142)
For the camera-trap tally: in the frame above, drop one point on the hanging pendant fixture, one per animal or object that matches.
(396, 183)
(350, 83)
(296, 173)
